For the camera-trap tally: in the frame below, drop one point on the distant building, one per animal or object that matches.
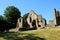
(56, 17)
(56, 20)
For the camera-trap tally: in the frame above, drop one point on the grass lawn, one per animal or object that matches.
(42, 34)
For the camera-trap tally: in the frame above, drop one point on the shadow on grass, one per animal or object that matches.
(32, 37)
(15, 36)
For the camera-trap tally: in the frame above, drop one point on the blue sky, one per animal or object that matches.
(43, 7)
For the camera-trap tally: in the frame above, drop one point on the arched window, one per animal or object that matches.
(41, 21)
(20, 20)
(39, 25)
(30, 19)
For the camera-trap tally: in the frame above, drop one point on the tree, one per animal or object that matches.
(25, 16)
(2, 24)
(11, 15)
(25, 21)
(1, 17)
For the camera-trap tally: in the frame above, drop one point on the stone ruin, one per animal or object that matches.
(33, 21)
(56, 21)
(37, 21)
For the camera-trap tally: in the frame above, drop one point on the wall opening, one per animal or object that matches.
(20, 20)
(39, 25)
(30, 19)
(34, 24)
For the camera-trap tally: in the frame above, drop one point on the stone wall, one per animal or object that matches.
(33, 21)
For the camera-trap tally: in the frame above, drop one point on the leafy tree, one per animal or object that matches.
(11, 15)
(25, 21)
(1, 17)
(25, 16)
(3, 24)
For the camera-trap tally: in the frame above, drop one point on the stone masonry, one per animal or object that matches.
(33, 20)
(56, 20)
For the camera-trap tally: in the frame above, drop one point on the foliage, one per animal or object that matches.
(25, 21)
(4, 25)
(1, 23)
(1, 17)
(12, 14)
(25, 16)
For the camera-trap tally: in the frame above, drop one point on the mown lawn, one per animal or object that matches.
(42, 34)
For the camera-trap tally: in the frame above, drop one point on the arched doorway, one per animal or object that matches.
(34, 24)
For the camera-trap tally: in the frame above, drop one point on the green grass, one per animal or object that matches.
(42, 34)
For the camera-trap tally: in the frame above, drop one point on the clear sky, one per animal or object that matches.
(43, 7)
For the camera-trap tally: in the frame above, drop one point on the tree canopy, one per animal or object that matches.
(25, 16)
(12, 14)
(1, 17)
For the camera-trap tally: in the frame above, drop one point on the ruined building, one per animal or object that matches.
(56, 17)
(33, 21)
(37, 21)
(56, 20)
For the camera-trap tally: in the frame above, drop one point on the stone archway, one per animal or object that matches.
(34, 24)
